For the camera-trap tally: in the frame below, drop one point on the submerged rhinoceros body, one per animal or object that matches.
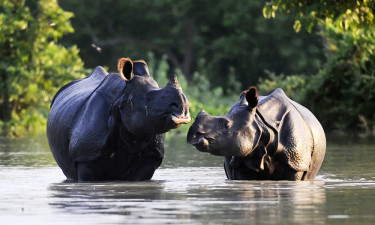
(270, 137)
(111, 126)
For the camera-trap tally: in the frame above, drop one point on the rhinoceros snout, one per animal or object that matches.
(202, 145)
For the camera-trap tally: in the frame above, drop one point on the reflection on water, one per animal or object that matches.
(32, 151)
(189, 188)
(195, 200)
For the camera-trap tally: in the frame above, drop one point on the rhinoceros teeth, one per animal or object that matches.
(181, 119)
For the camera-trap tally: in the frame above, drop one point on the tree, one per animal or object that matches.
(224, 41)
(32, 63)
(342, 94)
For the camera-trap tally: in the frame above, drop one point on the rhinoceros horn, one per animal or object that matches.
(173, 82)
(202, 113)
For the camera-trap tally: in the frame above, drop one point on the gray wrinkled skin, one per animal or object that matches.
(263, 138)
(112, 126)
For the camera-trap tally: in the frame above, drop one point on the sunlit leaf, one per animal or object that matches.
(297, 25)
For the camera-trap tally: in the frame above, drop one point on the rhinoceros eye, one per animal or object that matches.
(225, 123)
(200, 133)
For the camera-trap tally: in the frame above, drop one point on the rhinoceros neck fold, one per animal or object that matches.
(269, 134)
(258, 159)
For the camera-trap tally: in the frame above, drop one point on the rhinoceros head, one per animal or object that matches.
(145, 108)
(235, 134)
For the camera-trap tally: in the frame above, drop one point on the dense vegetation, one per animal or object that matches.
(342, 93)
(222, 40)
(319, 52)
(32, 64)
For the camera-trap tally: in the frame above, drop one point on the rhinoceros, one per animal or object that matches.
(112, 126)
(263, 138)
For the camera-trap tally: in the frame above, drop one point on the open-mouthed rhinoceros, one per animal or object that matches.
(112, 126)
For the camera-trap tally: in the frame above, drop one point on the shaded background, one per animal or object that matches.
(219, 39)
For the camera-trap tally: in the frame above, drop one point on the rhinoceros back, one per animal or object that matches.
(65, 106)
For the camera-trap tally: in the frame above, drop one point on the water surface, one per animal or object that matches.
(189, 188)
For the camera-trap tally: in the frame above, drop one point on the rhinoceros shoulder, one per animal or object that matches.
(90, 132)
(294, 131)
(68, 100)
(274, 106)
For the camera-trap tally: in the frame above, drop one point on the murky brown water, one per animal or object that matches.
(189, 188)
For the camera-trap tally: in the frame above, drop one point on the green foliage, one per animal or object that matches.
(342, 94)
(346, 15)
(292, 85)
(32, 64)
(222, 40)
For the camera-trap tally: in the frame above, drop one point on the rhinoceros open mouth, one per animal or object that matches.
(175, 121)
(180, 119)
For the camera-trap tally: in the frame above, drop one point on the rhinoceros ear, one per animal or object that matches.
(125, 68)
(252, 97)
(140, 68)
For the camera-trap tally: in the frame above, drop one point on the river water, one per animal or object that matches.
(189, 188)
